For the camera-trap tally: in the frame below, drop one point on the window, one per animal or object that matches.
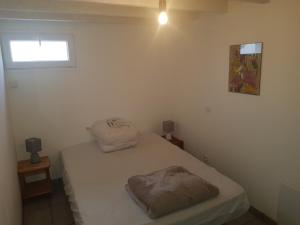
(29, 51)
(39, 51)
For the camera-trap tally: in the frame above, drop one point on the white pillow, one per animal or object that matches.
(115, 134)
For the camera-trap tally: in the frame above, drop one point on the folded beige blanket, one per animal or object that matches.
(169, 190)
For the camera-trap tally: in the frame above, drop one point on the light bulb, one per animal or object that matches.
(163, 18)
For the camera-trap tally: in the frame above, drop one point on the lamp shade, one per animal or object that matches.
(33, 145)
(168, 126)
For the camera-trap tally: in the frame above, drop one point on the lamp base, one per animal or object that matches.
(35, 158)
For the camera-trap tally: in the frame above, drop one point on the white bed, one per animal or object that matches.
(94, 182)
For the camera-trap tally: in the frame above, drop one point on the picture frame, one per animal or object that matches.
(245, 63)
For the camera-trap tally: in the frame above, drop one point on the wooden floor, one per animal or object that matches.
(55, 210)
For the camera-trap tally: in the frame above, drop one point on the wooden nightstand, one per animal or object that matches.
(37, 188)
(176, 141)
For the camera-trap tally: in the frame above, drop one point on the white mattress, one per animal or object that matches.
(94, 182)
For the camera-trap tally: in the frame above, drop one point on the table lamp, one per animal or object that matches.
(168, 128)
(34, 145)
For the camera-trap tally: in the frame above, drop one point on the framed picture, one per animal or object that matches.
(245, 68)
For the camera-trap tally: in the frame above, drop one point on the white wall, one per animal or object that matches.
(119, 72)
(253, 139)
(10, 207)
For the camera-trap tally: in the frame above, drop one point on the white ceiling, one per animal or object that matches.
(154, 3)
(113, 8)
(190, 5)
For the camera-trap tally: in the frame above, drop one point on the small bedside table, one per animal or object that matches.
(37, 188)
(179, 143)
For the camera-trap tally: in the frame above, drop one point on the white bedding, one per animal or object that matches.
(94, 182)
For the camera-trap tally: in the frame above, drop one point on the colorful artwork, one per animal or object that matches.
(245, 68)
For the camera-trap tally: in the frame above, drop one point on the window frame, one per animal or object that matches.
(10, 64)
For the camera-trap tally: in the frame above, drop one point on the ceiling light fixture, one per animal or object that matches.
(163, 16)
